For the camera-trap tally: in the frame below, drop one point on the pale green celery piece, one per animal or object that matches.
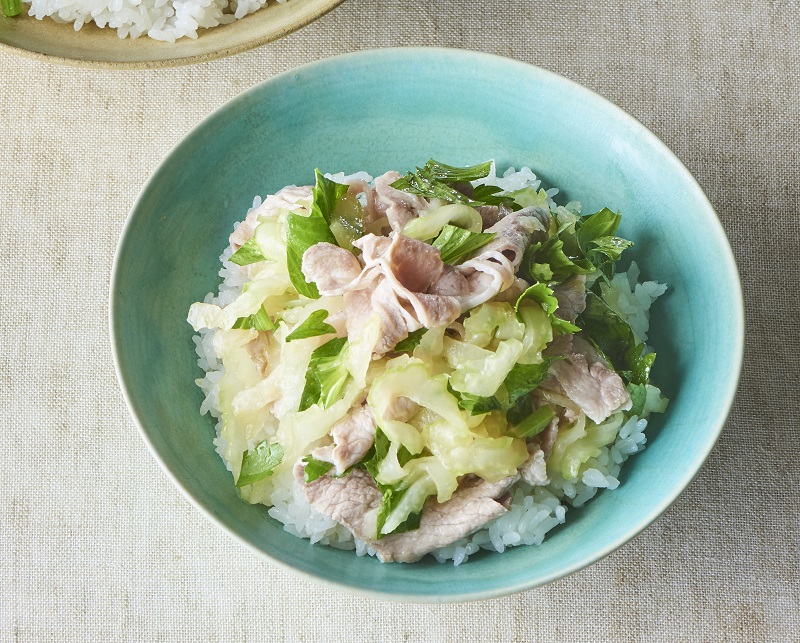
(401, 379)
(270, 235)
(413, 498)
(573, 453)
(655, 401)
(492, 320)
(431, 222)
(484, 376)
(528, 197)
(538, 333)
(344, 236)
(240, 373)
(466, 451)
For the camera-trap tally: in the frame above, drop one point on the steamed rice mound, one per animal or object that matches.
(582, 457)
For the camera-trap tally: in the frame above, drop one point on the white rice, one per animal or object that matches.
(165, 20)
(533, 511)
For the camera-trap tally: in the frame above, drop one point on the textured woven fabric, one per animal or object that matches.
(97, 545)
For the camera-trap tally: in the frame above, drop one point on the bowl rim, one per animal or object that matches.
(465, 56)
(325, 6)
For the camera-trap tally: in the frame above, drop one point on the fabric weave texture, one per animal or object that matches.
(95, 542)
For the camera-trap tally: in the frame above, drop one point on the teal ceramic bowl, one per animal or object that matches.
(395, 108)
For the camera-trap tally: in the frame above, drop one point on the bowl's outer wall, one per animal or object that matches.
(392, 109)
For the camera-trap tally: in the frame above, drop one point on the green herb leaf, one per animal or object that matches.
(548, 262)
(520, 381)
(541, 294)
(523, 378)
(259, 321)
(606, 250)
(11, 8)
(519, 410)
(425, 184)
(641, 366)
(609, 332)
(380, 448)
(592, 246)
(431, 181)
(541, 272)
(449, 173)
(491, 195)
(315, 468)
(249, 253)
(391, 493)
(596, 238)
(313, 326)
(535, 423)
(613, 337)
(475, 404)
(638, 393)
(600, 224)
(259, 463)
(411, 342)
(304, 232)
(455, 243)
(327, 374)
(325, 195)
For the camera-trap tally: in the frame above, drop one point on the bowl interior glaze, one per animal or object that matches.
(393, 109)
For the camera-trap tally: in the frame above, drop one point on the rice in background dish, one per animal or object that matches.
(166, 20)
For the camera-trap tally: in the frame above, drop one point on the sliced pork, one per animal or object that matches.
(391, 280)
(286, 199)
(415, 264)
(571, 296)
(352, 500)
(491, 214)
(471, 506)
(493, 270)
(595, 388)
(352, 437)
(399, 207)
(330, 267)
(547, 438)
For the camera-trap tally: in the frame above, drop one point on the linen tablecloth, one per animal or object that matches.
(95, 542)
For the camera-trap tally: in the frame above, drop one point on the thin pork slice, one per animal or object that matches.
(415, 264)
(595, 388)
(352, 500)
(571, 296)
(493, 270)
(330, 267)
(472, 505)
(399, 207)
(353, 436)
(286, 199)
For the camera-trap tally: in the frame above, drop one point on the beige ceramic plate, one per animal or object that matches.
(94, 47)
